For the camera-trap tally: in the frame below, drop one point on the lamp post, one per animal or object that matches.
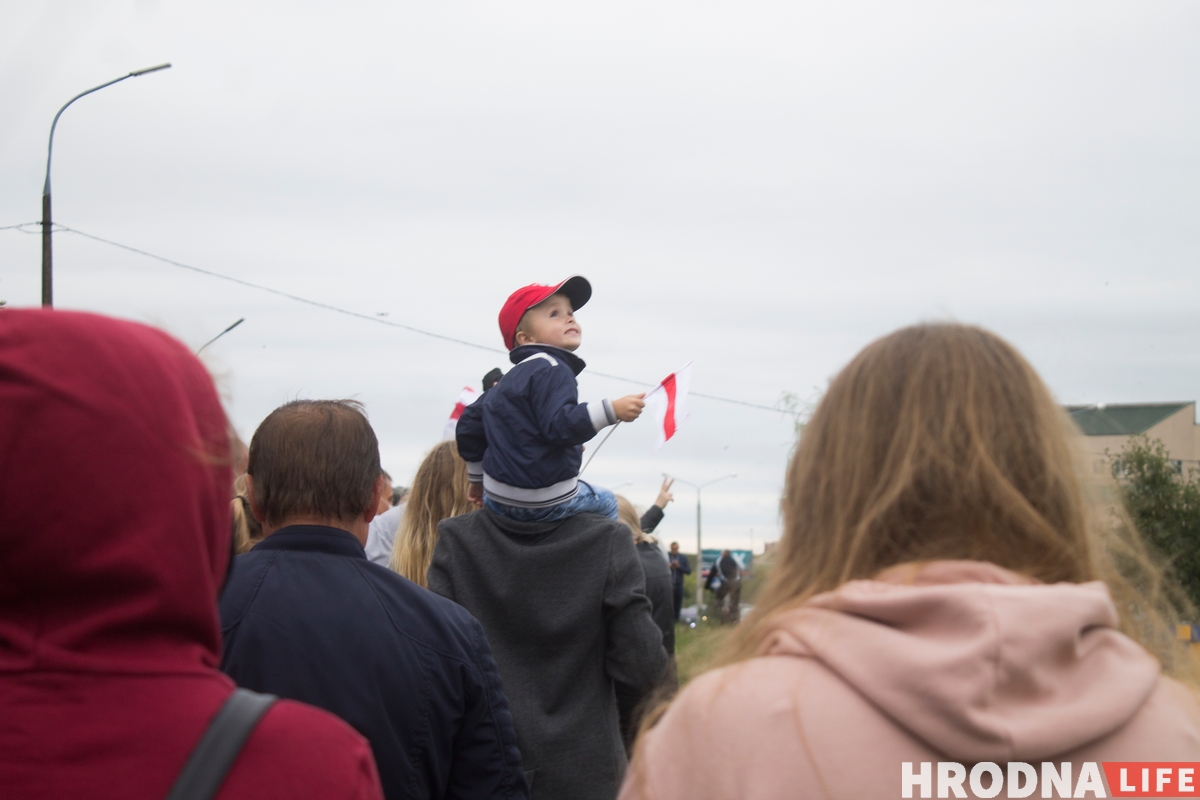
(47, 223)
(699, 549)
(219, 335)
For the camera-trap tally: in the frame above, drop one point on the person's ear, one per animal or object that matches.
(250, 498)
(376, 493)
(521, 338)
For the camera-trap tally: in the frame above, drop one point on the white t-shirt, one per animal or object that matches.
(381, 536)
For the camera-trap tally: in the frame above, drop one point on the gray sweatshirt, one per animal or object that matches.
(564, 608)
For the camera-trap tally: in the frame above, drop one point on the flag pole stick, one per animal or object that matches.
(597, 450)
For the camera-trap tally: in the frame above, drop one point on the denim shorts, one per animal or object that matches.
(589, 500)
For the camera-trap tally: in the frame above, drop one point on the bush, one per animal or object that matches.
(1165, 506)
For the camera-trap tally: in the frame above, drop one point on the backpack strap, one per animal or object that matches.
(220, 745)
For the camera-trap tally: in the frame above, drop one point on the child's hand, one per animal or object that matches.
(629, 407)
(475, 493)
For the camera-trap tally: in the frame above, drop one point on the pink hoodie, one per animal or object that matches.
(951, 661)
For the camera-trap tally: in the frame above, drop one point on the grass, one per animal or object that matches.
(695, 647)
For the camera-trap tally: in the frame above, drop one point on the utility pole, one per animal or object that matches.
(699, 546)
(699, 558)
(47, 218)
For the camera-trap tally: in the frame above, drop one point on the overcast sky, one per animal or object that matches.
(759, 188)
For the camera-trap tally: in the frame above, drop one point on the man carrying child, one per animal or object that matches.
(559, 591)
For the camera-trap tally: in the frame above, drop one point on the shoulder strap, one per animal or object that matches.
(212, 757)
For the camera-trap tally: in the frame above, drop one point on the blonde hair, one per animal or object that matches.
(525, 323)
(940, 441)
(628, 514)
(438, 491)
(246, 530)
(523, 326)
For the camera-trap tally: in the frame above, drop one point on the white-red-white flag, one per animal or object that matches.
(667, 404)
(465, 398)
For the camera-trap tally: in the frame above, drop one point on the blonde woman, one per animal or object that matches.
(657, 572)
(246, 530)
(946, 604)
(438, 491)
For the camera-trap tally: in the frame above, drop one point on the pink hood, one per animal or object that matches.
(965, 657)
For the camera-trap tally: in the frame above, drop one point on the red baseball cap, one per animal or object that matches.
(576, 288)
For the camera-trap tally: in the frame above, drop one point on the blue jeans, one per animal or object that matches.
(589, 500)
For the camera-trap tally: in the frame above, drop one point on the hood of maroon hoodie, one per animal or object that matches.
(114, 503)
(980, 663)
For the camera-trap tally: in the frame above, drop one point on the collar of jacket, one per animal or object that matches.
(519, 354)
(314, 539)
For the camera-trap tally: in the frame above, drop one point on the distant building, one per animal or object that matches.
(1108, 427)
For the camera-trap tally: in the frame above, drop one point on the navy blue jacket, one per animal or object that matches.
(306, 616)
(684, 568)
(523, 439)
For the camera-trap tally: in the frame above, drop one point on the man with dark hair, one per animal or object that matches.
(306, 616)
(680, 566)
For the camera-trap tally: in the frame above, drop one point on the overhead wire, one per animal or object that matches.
(360, 315)
(281, 293)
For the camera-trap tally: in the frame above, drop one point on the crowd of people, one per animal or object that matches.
(945, 588)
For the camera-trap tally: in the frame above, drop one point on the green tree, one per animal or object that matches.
(799, 408)
(1165, 506)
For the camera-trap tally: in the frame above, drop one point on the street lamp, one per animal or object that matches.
(219, 335)
(699, 549)
(47, 223)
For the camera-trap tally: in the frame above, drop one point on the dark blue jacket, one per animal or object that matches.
(523, 438)
(684, 568)
(306, 616)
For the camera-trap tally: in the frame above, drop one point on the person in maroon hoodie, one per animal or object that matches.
(109, 634)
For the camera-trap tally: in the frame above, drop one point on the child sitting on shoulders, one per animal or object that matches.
(522, 440)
